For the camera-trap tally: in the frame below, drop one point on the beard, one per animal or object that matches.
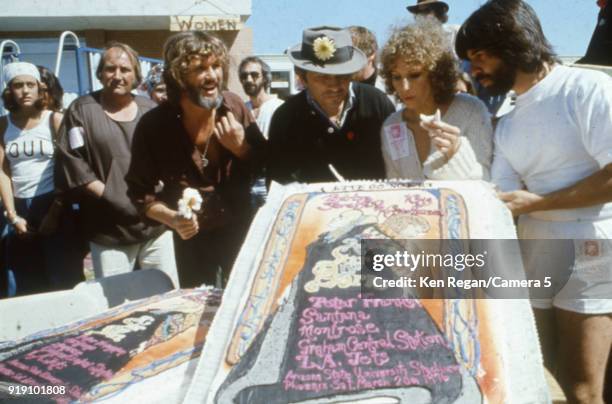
(202, 101)
(502, 79)
(252, 89)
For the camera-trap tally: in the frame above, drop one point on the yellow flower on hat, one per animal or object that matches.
(324, 48)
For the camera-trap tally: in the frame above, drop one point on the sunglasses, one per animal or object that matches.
(244, 75)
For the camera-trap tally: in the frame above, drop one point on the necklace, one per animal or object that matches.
(204, 159)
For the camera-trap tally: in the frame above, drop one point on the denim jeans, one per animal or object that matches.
(44, 263)
(7, 279)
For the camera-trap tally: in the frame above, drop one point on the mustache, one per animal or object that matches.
(335, 93)
(209, 82)
(481, 76)
(195, 95)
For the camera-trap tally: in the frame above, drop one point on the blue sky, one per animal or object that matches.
(278, 24)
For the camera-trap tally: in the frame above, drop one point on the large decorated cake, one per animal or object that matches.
(295, 327)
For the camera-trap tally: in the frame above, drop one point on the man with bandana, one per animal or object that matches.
(203, 140)
(154, 85)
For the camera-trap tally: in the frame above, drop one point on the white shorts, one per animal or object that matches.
(581, 267)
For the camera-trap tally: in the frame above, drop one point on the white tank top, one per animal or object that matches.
(30, 156)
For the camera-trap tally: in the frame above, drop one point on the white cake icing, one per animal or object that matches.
(512, 324)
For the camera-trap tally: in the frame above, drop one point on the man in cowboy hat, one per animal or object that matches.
(438, 9)
(330, 130)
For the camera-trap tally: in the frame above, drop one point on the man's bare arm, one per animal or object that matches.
(592, 190)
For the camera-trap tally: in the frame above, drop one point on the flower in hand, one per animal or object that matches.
(189, 203)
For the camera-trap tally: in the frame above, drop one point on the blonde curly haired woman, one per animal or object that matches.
(418, 142)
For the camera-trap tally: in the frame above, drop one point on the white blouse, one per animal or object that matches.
(472, 160)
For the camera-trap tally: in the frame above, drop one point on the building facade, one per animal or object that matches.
(145, 25)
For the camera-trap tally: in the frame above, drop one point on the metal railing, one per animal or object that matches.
(60, 49)
(12, 54)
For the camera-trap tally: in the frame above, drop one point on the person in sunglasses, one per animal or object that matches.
(256, 77)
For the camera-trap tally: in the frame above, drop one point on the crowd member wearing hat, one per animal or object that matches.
(330, 129)
(421, 71)
(438, 11)
(435, 8)
(553, 162)
(95, 149)
(203, 138)
(37, 255)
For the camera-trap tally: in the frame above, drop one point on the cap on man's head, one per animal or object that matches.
(423, 5)
(15, 69)
(327, 50)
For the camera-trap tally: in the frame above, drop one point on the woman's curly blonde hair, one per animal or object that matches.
(180, 49)
(423, 43)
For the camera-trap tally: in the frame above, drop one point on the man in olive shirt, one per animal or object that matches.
(93, 157)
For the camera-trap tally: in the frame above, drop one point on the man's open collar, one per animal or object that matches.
(348, 105)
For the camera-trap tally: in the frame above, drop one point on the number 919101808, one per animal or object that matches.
(36, 390)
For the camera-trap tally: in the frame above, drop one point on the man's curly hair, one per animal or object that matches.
(180, 49)
(423, 43)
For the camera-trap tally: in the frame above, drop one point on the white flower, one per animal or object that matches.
(324, 48)
(190, 202)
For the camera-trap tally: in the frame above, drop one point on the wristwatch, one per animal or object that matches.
(15, 219)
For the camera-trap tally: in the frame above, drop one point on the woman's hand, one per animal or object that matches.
(21, 226)
(445, 137)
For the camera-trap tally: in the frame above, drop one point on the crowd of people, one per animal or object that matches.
(113, 168)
